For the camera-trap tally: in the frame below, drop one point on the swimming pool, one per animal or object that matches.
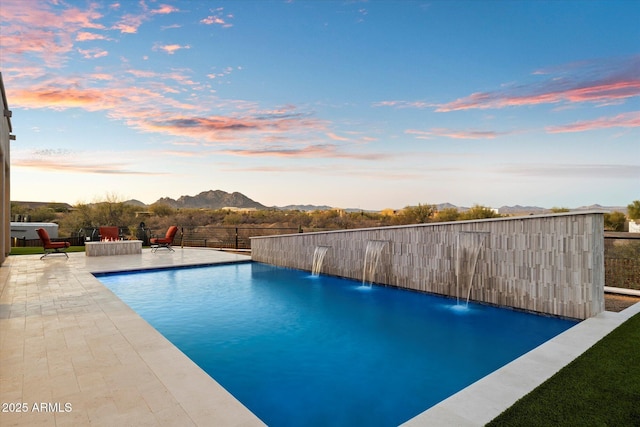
(303, 350)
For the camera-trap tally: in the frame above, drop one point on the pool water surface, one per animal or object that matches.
(310, 350)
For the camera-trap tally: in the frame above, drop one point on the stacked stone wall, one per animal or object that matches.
(545, 263)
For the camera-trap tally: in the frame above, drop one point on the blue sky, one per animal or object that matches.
(358, 104)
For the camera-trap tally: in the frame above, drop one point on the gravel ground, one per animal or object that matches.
(614, 302)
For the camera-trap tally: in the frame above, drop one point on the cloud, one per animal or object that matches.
(454, 134)
(403, 104)
(93, 53)
(164, 9)
(313, 151)
(57, 165)
(170, 48)
(217, 19)
(590, 171)
(84, 36)
(626, 120)
(335, 137)
(593, 83)
(46, 30)
(130, 23)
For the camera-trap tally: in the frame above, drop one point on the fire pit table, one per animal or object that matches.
(115, 247)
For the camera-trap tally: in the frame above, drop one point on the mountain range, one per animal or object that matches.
(212, 199)
(218, 199)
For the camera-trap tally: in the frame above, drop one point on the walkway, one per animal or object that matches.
(73, 354)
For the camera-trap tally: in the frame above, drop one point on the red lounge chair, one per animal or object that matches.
(49, 246)
(109, 233)
(166, 241)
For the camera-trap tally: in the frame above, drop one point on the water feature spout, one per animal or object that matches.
(372, 259)
(318, 259)
(469, 244)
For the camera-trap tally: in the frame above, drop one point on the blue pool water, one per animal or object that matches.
(299, 350)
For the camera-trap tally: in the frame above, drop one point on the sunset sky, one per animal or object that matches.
(353, 104)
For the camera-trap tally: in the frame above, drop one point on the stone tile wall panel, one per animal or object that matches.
(547, 263)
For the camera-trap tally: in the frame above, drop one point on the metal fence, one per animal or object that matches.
(203, 237)
(226, 237)
(622, 261)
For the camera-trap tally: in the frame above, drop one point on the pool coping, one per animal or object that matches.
(482, 401)
(65, 337)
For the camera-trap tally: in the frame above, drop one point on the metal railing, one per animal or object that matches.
(197, 236)
(226, 237)
(622, 261)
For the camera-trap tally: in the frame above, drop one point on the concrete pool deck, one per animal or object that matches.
(72, 353)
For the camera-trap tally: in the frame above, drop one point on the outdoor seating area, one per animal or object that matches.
(166, 241)
(51, 248)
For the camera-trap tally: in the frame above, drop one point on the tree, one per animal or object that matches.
(614, 221)
(42, 214)
(420, 214)
(480, 212)
(633, 210)
(448, 214)
(161, 209)
(559, 210)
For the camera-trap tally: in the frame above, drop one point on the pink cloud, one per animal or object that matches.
(611, 87)
(58, 165)
(217, 19)
(171, 48)
(129, 24)
(627, 120)
(164, 9)
(51, 30)
(335, 137)
(83, 36)
(311, 151)
(93, 53)
(403, 104)
(454, 134)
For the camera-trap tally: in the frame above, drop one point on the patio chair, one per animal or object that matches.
(109, 233)
(166, 241)
(51, 247)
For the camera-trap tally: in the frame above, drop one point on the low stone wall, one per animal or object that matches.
(551, 264)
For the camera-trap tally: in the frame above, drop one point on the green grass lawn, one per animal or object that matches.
(599, 388)
(39, 250)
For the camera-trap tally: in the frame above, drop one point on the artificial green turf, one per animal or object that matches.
(39, 250)
(599, 388)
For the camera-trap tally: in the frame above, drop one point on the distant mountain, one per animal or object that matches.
(442, 206)
(304, 208)
(212, 199)
(517, 209)
(597, 207)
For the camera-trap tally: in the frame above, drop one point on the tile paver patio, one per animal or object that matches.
(68, 343)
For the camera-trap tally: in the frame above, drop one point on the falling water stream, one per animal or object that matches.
(371, 260)
(468, 248)
(318, 258)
